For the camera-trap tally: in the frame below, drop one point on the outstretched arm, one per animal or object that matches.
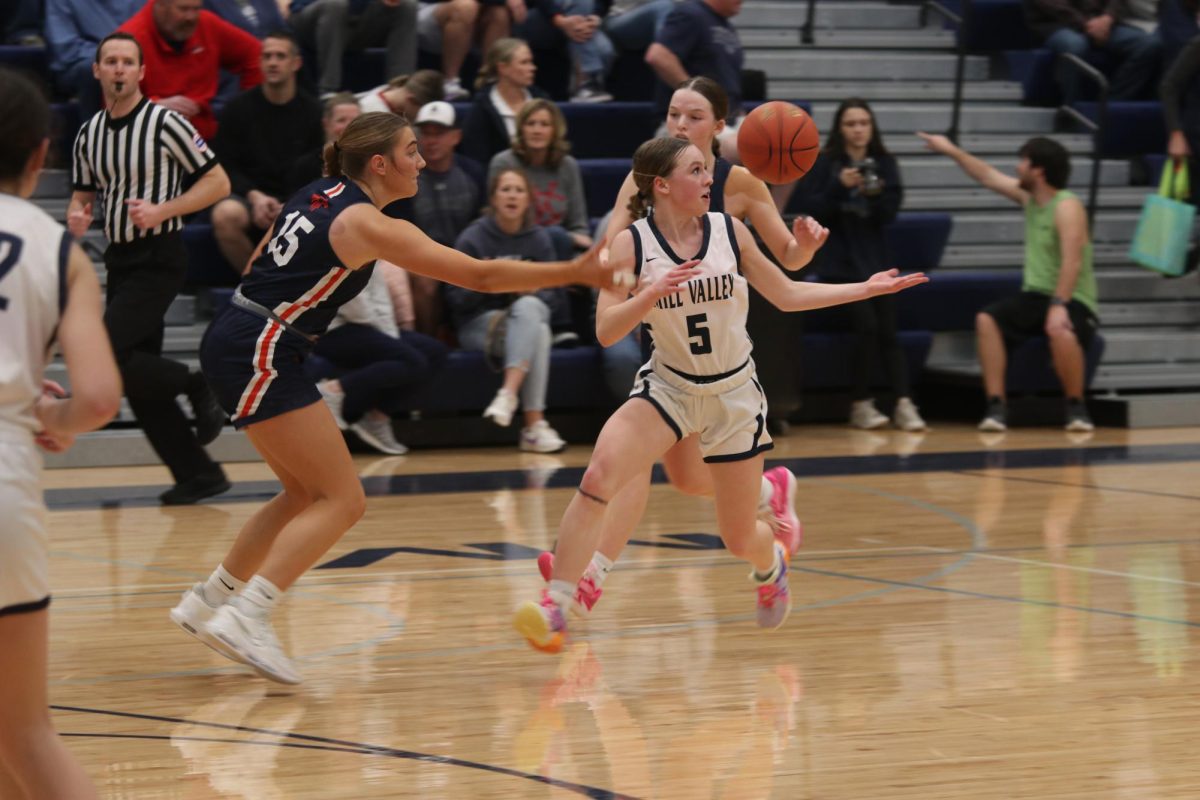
(979, 170)
(793, 249)
(789, 295)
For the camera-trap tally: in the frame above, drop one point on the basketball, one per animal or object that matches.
(778, 142)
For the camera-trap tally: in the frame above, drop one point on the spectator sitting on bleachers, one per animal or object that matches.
(1181, 107)
(1082, 27)
(541, 150)
(512, 330)
(696, 38)
(185, 48)
(449, 27)
(73, 30)
(404, 94)
(451, 194)
(503, 86)
(855, 191)
(1058, 284)
(380, 361)
(575, 25)
(331, 27)
(339, 111)
(256, 17)
(263, 132)
(1178, 24)
(633, 24)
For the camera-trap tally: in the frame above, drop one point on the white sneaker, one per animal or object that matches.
(590, 93)
(453, 90)
(541, 438)
(334, 400)
(193, 613)
(253, 640)
(377, 432)
(502, 408)
(906, 417)
(864, 414)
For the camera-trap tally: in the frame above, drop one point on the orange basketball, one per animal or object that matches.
(778, 142)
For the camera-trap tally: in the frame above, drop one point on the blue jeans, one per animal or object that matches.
(637, 29)
(593, 57)
(1137, 55)
(620, 362)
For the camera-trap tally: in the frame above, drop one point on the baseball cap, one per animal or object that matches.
(438, 112)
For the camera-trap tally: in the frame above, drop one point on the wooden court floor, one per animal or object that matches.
(985, 619)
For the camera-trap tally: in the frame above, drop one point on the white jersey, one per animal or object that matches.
(700, 331)
(33, 289)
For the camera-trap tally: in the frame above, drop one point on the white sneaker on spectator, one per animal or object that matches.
(377, 432)
(334, 400)
(591, 93)
(541, 438)
(502, 407)
(454, 90)
(906, 416)
(864, 414)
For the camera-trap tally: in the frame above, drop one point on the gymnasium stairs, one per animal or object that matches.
(884, 53)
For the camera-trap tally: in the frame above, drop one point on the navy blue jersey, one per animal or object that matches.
(721, 169)
(297, 275)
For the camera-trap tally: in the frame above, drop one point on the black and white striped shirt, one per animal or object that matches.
(144, 155)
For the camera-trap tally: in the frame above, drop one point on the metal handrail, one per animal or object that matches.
(1097, 126)
(961, 62)
(806, 32)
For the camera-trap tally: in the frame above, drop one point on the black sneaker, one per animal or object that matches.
(193, 490)
(1078, 419)
(209, 416)
(996, 419)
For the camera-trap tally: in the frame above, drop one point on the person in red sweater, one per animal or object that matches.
(185, 47)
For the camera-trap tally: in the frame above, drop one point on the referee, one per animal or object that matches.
(136, 155)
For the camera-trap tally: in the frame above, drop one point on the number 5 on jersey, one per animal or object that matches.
(697, 325)
(284, 246)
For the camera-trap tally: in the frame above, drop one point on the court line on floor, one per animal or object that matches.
(1079, 568)
(326, 743)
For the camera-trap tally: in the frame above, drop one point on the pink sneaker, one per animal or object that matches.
(788, 530)
(587, 593)
(542, 624)
(774, 601)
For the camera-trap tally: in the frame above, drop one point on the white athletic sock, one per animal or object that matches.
(260, 596)
(220, 586)
(562, 593)
(600, 567)
(764, 496)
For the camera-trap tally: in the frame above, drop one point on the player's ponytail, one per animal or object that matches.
(367, 135)
(654, 159)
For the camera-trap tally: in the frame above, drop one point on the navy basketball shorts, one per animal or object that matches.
(255, 367)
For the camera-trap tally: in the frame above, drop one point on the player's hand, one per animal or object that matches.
(937, 143)
(1058, 320)
(518, 10)
(180, 105)
(891, 281)
(673, 281)
(79, 221)
(52, 388)
(809, 234)
(1177, 146)
(145, 215)
(49, 440)
(590, 272)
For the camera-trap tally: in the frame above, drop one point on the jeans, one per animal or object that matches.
(621, 361)
(328, 26)
(525, 344)
(592, 57)
(637, 29)
(1137, 54)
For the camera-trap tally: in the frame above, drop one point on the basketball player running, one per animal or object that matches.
(697, 115)
(48, 290)
(700, 379)
(318, 255)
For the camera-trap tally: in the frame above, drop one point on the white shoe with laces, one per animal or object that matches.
(453, 90)
(502, 408)
(541, 438)
(864, 415)
(334, 400)
(253, 641)
(192, 615)
(377, 432)
(906, 416)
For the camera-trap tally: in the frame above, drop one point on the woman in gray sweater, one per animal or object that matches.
(540, 150)
(513, 329)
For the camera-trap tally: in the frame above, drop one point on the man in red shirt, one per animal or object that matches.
(185, 48)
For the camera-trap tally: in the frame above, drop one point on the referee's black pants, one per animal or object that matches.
(144, 276)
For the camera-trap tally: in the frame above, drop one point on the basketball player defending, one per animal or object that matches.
(48, 290)
(699, 380)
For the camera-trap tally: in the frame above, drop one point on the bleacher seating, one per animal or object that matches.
(1133, 127)
(993, 25)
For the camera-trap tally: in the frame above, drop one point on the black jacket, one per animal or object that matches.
(484, 133)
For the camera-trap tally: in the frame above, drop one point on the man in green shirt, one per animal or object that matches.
(1058, 287)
